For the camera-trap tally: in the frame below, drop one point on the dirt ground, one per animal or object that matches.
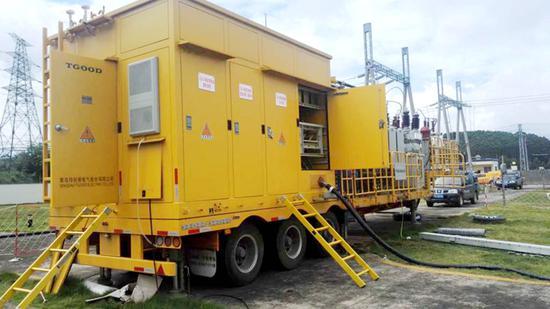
(321, 283)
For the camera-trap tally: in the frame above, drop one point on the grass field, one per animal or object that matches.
(527, 220)
(73, 295)
(38, 212)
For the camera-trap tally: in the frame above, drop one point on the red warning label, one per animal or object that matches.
(282, 140)
(87, 136)
(160, 271)
(206, 133)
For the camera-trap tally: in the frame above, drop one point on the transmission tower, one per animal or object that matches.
(444, 103)
(376, 72)
(19, 126)
(523, 155)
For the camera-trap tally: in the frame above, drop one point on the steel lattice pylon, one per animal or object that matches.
(523, 154)
(20, 126)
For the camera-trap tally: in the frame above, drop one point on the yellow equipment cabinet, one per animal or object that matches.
(205, 127)
(84, 134)
(358, 128)
(193, 122)
(247, 113)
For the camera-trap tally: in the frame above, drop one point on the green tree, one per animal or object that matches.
(493, 144)
(24, 167)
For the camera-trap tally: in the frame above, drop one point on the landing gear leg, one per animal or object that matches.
(413, 208)
(105, 276)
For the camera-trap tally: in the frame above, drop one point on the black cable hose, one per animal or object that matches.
(411, 260)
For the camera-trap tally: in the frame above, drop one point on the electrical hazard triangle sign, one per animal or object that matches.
(282, 140)
(206, 133)
(87, 136)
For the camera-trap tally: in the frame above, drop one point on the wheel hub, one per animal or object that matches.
(292, 242)
(246, 253)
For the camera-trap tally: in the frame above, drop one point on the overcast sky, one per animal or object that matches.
(500, 50)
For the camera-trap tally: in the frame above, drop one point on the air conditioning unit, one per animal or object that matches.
(143, 97)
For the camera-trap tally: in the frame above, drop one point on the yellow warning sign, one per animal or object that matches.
(206, 134)
(87, 136)
(282, 140)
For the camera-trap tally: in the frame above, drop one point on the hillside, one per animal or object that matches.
(493, 144)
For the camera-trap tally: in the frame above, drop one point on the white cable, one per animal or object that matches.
(137, 196)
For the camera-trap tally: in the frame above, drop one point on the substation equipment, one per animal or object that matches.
(180, 137)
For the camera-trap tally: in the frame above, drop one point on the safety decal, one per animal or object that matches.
(207, 82)
(206, 134)
(282, 140)
(280, 99)
(87, 136)
(204, 226)
(246, 92)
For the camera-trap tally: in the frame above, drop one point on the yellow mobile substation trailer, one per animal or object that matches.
(190, 123)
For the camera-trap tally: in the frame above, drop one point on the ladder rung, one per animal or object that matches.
(22, 290)
(89, 216)
(59, 250)
(351, 256)
(46, 198)
(74, 233)
(322, 228)
(363, 272)
(41, 269)
(48, 179)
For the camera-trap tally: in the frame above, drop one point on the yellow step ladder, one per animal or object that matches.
(60, 259)
(337, 240)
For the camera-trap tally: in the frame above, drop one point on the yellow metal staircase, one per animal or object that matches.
(60, 259)
(330, 245)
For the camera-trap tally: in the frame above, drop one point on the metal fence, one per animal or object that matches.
(529, 195)
(24, 230)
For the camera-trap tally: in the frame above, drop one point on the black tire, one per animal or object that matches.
(488, 219)
(290, 243)
(243, 253)
(460, 202)
(317, 250)
(474, 199)
(430, 204)
(407, 216)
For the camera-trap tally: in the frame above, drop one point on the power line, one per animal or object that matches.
(507, 98)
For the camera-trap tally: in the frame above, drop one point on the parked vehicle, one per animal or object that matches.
(455, 190)
(513, 181)
(488, 177)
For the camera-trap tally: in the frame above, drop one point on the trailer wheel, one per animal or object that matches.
(317, 249)
(290, 243)
(243, 254)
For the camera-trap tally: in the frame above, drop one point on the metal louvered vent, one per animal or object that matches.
(143, 97)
